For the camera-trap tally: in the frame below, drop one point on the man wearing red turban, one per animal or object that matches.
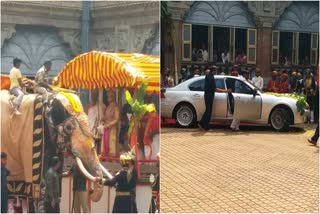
(273, 84)
(284, 84)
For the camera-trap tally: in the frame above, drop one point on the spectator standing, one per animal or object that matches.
(273, 84)
(299, 83)
(4, 191)
(293, 82)
(196, 73)
(247, 76)
(194, 54)
(79, 190)
(95, 111)
(258, 80)
(52, 192)
(205, 54)
(284, 84)
(310, 90)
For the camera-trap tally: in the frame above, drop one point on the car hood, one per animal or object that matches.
(279, 98)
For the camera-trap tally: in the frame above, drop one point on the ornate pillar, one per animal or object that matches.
(173, 54)
(264, 44)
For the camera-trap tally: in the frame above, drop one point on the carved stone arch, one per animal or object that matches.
(33, 45)
(299, 17)
(221, 13)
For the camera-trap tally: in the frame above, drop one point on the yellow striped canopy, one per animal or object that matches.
(98, 69)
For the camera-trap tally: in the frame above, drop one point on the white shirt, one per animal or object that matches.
(205, 56)
(14, 75)
(95, 116)
(227, 58)
(223, 58)
(258, 81)
(241, 77)
(42, 75)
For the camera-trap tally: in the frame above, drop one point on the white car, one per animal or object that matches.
(185, 103)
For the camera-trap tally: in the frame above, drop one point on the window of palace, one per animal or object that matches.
(200, 41)
(226, 30)
(295, 40)
(236, 45)
(294, 48)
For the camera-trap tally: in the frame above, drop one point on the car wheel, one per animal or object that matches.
(185, 115)
(280, 119)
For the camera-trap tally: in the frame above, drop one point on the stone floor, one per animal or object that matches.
(255, 170)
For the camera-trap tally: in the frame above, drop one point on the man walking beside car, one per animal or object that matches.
(209, 92)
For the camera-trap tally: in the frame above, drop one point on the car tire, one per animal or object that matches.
(280, 119)
(185, 115)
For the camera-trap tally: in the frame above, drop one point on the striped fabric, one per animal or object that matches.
(97, 69)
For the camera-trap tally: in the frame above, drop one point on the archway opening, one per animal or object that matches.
(285, 48)
(304, 49)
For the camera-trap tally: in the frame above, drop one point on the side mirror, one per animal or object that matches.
(254, 92)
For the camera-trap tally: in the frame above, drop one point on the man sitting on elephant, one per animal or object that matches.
(42, 81)
(16, 84)
(41, 85)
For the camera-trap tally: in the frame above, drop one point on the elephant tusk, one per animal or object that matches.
(84, 171)
(105, 171)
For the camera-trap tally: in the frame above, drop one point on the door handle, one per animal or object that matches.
(238, 98)
(196, 95)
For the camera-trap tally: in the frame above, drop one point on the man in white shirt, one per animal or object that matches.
(205, 54)
(95, 111)
(42, 81)
(258, 80)
(16, 85)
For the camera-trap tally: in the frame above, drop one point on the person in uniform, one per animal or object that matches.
(79, 190)
(52, 192)
(125, 182)
(284, 84)
(273, 84)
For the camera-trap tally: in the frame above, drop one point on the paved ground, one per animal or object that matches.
(256, 170)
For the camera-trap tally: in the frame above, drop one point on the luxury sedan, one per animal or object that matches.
(185, 103)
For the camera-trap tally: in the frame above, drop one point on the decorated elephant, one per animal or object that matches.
(41, 132)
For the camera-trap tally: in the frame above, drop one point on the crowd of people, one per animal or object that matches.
(220, 56)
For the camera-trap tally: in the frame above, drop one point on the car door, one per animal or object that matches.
(247, 106)
(197, 95)
(220, 103)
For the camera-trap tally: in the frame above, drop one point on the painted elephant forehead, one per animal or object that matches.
(84, 123)
(71, 102)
